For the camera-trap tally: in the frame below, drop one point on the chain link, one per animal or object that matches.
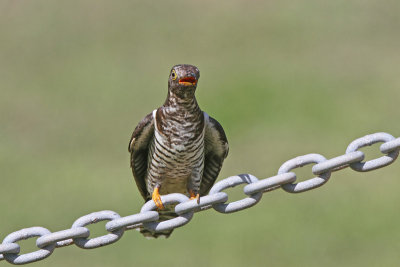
(338, 163)
(65, 235)
(310, 183)
(26, 233)
(369, 140)
(78, 234)
(103, 240)
(240, 204)
(181, 220)
(205, 202)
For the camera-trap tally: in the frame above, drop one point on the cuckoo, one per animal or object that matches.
(178, 148)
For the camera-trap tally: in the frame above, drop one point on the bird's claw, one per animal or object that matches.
(157, 199)
(193, 195)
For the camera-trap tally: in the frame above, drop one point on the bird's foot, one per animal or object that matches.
(157, 198)
(193, 195)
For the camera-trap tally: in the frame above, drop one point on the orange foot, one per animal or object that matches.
(193, 195)
(157, 198)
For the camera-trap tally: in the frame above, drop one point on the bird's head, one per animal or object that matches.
(183, 80)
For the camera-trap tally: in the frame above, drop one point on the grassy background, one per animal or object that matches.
(284, 78)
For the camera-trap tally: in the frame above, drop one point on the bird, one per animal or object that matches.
(177, 148)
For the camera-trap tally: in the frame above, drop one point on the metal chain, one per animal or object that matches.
(78, 234)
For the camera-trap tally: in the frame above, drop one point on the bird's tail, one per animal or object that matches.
(165, 214)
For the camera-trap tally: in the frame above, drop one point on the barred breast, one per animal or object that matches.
(176, 154)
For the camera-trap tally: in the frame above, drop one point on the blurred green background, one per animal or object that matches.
(284, 78)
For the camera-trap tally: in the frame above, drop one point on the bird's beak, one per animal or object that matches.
(187, 81)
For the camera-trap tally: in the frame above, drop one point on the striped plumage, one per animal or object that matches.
(177, 148)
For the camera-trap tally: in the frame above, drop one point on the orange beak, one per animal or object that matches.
(188, 81)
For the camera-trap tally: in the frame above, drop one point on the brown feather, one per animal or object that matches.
(138, 147)
(216, 150)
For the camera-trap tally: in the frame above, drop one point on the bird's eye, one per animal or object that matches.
(173, 75)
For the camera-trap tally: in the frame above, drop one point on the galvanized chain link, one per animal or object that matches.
(78, 234)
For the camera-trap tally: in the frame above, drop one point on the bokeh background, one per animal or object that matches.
(284, 78)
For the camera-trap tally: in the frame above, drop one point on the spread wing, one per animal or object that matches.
(139, 148)
(216, 150)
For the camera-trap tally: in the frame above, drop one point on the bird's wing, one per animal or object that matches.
(216, 150)
(139, 147)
